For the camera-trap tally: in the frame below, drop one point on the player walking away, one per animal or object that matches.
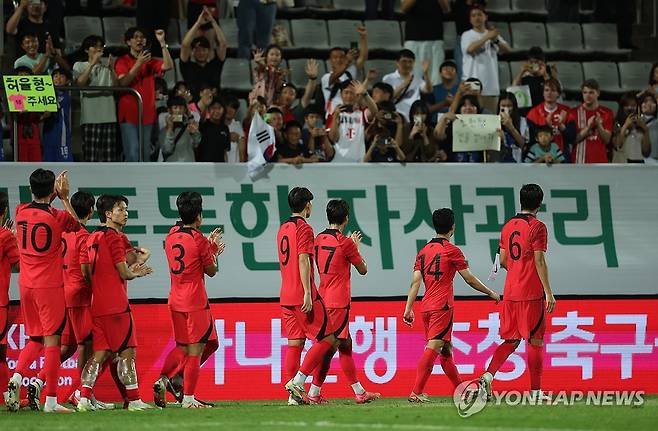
(40, 229)
(304, 314)
(436, 264)
(112, 320)
(190, 255)
(335, 253)
(77, 296)
(527, 289)
(9, 259)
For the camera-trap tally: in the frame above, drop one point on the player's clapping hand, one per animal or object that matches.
(356, 236)
(550, 303)
(62, 186)
(140, 269)
(408, 317)
(216, 238)
(307, 306)
(9, 225)
(143, 254)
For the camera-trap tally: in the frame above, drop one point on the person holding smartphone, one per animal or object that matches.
(29, 17)
(631, 138)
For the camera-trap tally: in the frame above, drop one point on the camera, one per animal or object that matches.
(387, 116)
(418, 120)
(348, 108)
(474, 85)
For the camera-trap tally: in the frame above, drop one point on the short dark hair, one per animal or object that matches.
(82, 203)
(4, 201)
(100, 208)
(386, 88)
(312, 109)
(345, 84)
(91, 41)
(274, 110)
(106, 203)
(545, 129)
(42, 183)
(189, 206)
(201, 41)
(386, 105)
(652, 80)
(176, 101)
(531, 196)
(23, 69)
(29, 34)
(443, 220)
(337, 211)
(231, 100)
(536, 53)
(64, 72)
(405, 53)
(590, 83)
(130, 33)
(337, 48)
(298, 198)
(554, 83)
(290, 124)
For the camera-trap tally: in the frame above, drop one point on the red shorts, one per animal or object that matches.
(4, 324)
(114, 332)
(193, 327)
(438, 325)
(78, 326)
(311, 325)
(522, 319)
(339, 322)
(43, 310)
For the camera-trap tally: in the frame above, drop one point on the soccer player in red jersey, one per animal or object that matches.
(112, 320)
(594, 124)
(304, 314)
(436, 265)
(190, 256)
(9, 259)
(40, 229)
(527, 291)
(335, 254)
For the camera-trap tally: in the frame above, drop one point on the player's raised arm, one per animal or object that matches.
(542, 271)
(62, 188)
(362, 267)
(217, 247)
(408, 316)
(476, 284)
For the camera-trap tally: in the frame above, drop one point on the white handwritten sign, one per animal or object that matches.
(476, 132)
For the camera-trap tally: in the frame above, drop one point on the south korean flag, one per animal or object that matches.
(260, 145)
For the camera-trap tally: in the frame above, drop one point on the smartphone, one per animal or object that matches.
(177, 118)
(35, 2)
(348, 108)
(506, 109)
(474, 85)
(354, 45)
(418, 120)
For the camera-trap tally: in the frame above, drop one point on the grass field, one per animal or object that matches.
(391, 413)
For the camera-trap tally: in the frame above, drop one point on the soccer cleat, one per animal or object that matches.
(100, 405)
(138, 406)
(160, 392)
(291, 401)
(194, 404)
(85, 405)
(418, 398)
(57, 408)
(485, 385)
(175, 389)
(539, 396)
(206, 403)
(13, 395)
(74, 399)
(297, 392)
(366, 397)
(34, 395)
(317, 400)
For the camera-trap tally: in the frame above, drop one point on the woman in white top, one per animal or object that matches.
(631, 141)
(514, 130)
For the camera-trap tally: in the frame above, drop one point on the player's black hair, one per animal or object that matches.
(405, 53)
(106, 203)
(42, 183)
(82, 202)
(545, 129)
(337, 211)
(443, 220)
(531, 197)
(4, 202)
(100, 208)
(298, 198)
(90, 41)
(189, 206)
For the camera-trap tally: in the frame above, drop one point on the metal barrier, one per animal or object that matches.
(140, 109)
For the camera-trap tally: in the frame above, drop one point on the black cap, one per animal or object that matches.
(448, 63)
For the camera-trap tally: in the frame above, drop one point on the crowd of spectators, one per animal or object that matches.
(349, 114)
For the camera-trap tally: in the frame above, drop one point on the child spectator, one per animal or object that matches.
(314, 135)
(384, 149)
(291, 148)
(407, 87)
(56, 139)
(594, 126)
(631, 141)
(648, 110)
(443, 92)
(514, 128)
(289, 94)
(215, 138)
(40, 63)
(268, 76)
(238, 148)
(98, 110)
(181, 136)
(27, 128)
(545, 150)
(533, 74)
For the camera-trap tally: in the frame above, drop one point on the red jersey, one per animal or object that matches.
(522, 235)
(107, 247)
(591, 149)
(438, 261)
(8, 257)
(537, 115)
(40, 228)
(188, 253)
(77, 293)
(144, 83)
(334, 256)
(294, 238)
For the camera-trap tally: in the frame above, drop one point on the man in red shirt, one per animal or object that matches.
(436, 265)
(304, 313)
(137, 70)
(335, 254)
(594, 126)
(40, 229)
(527, 289)
(190, 256)
(112, 320)
(553, 114)
(9, 259)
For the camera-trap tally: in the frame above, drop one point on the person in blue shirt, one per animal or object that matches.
(442, 93)
(545, 150)
(56, 138)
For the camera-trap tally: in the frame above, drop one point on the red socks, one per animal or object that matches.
(450, 369)
(173, 363)
(500, 356)
(535, 365)
(291, 365)
(191, 375)
(51, 367)
(30, 352)
(347, 364)
(4, 376)
(424, 369)
(115, 376)
(314, 356)
(323, 369)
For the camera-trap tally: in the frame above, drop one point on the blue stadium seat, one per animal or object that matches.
(530, 6)
(383, 67)
(298, 73)
(351, 5)
(504, 75)
(600, 37)
(499, 6)
(230, 28)
(449, 35)
(236, 75)
(503, 30)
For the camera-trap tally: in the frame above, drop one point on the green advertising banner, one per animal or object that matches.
(34, 93)
(602, 220)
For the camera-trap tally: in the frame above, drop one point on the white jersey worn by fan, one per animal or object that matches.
(351, 145)
(330, 103)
